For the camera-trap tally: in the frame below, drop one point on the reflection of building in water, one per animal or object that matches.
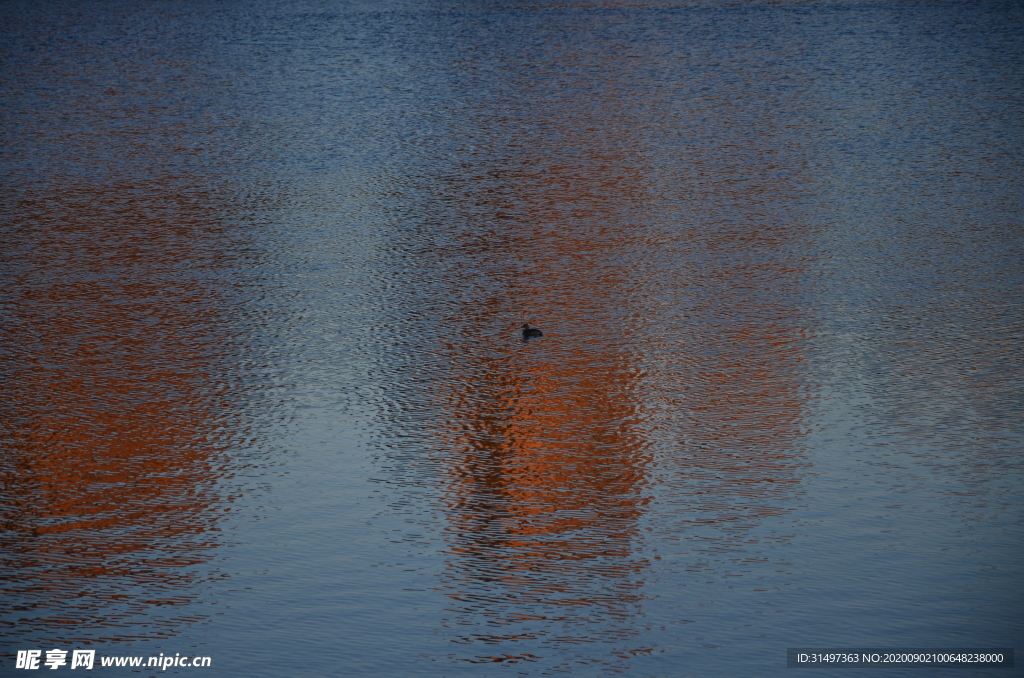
(672, 353)
(115, 410)
(544, 495)
(726, 372)
(545, 469)
(736, 416)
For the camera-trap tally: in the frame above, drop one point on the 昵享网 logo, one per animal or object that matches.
(55, 658)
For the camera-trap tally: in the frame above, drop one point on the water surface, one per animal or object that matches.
(264, 393)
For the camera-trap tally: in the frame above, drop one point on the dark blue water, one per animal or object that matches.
(265, 398)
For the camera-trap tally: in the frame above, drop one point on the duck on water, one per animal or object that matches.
(531, 331)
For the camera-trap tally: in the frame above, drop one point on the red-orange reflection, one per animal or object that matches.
(541, 446)
(686, 382)
(728, 376)
(115, 408)
(546, 473)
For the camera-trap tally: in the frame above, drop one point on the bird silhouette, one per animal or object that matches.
(531, 331)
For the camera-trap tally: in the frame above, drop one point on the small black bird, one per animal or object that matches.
(531, 331)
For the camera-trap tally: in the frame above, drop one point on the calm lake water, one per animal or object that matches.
(265, 399)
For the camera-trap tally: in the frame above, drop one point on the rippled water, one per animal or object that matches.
(265, 397)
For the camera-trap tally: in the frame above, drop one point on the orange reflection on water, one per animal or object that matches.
(115, 409)
(685, 386)
(544, 491)
(544, 463)
(728, 375)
